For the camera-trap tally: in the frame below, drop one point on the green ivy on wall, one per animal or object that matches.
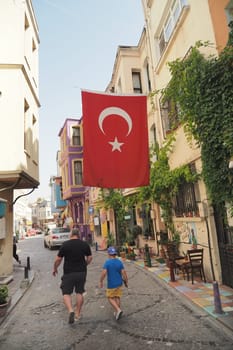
(164, 182)
(202, 88)
(114, 199)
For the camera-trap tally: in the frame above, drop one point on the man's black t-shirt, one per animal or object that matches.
(74, 252)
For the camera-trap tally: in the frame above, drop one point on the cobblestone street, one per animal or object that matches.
(155, 316)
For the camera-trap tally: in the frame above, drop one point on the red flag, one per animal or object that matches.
(115, 140)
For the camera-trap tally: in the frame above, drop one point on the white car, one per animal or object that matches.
(56, 236)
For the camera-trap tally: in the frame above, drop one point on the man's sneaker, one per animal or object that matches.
(119, 314)
(71, 317)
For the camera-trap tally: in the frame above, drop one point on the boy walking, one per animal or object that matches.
(114, 269)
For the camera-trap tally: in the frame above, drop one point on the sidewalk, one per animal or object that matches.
(200, 293)
(17, 285)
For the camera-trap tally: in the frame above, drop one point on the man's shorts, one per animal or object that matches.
(73, 281)
(114, 292)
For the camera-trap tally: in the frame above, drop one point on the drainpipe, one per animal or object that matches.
(11, 186)
(23, 195)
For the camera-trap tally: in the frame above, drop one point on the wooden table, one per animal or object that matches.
(183, 265)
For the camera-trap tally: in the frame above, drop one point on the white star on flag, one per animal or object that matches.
(116, 146)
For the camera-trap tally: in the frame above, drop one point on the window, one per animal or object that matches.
(169, 115)
(78, 176)
(119, 88)
(33, 45)
(61, 190)
(170, 23)
(168, 29)
(162, 43)
(153, 135)
(137, 85)
(26, 126)
(148, 77)
(229, 11)
(26, 23)
(76, 137)
(147, 222)
(185, 201)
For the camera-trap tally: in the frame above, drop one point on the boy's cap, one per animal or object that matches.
(112, 251)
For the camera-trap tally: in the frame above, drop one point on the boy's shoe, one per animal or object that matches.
(119, 314)
(71, 317)
(77, 318)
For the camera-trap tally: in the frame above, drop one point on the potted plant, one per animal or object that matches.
(131, 256)
(4, 299)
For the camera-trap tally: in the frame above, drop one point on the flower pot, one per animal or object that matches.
(4, 307)
(122, 255)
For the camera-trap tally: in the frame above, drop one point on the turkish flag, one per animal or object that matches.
(115, 140)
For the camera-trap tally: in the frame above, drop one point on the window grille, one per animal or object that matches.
(185, 201)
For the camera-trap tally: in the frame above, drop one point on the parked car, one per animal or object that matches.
(38, 231)
(31, 232)
(56, 236)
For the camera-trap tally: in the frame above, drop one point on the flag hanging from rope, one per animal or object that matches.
(115, 140)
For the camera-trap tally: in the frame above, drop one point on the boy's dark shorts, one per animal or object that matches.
(73, 281)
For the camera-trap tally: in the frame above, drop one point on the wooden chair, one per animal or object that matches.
(196, 263)
(172, 254)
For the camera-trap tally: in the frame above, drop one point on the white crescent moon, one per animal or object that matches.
(118, 111)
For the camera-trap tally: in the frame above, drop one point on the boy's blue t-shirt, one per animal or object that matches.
(114, 268)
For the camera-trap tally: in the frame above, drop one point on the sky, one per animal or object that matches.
(78, 45)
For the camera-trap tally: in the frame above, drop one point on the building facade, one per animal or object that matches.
(169, 34)
(19, 105)
(73, 191)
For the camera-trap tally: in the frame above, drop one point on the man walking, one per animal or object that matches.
(77, 255)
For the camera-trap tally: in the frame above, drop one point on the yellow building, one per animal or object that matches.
(172, 29)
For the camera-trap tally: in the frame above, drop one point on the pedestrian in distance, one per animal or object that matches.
(15, 255)
(114, 269)
(77, 255)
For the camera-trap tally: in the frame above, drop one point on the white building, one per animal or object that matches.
(19, 105)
